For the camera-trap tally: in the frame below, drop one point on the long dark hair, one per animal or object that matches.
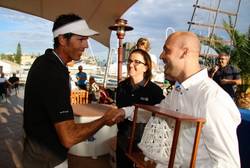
(148, 63)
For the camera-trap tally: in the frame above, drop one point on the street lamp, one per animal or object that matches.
(120, 27)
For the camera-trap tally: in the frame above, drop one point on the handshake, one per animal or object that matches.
(113, 116)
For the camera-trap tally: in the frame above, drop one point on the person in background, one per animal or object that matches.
(4, 85)
(144, 44)
(48, 118)
(81, 78)
(14, 80)
(73, 82)
(136, 89)
(94, 91)
(105, 97)
(226, 75)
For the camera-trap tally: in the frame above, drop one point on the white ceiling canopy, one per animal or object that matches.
(99, 14)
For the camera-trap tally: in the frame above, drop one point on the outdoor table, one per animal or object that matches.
(97, 144)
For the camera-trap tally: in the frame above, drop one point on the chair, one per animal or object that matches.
(79, 97)
(137, 156)
(16, 87)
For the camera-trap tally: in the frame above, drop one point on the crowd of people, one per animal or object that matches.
(49, 124)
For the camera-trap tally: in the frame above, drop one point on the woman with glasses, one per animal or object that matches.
(136, 89)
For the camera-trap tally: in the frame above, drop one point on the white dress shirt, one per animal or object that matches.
(200, 96)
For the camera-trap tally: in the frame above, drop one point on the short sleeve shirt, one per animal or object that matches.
(47, 101)
(81, 75)
(13, 79)
(227, 72)
(127, 95)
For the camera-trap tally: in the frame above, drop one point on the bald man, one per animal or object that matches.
(200, 96)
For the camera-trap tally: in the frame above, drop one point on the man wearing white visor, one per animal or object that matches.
(48, 117)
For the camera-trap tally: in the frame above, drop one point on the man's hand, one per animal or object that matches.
(114, 116)
(226, 81)
(119, 116)
(214, 70)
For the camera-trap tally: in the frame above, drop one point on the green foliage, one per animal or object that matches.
(8, 57)
(239, 49)
(18, 55)
(13, 57)
(240, 53)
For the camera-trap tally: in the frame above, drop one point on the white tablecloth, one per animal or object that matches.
(98, 144)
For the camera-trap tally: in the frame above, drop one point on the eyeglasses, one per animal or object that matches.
(135, 62)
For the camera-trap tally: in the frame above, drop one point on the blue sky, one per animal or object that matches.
(150, 18)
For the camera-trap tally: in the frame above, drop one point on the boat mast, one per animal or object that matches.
(109, 60)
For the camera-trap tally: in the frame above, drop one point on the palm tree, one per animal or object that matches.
(240, 47)
(240, 51)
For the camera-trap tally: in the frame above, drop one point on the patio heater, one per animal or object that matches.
(120, 27)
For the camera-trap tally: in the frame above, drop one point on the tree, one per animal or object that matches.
(18, 54)
(8, 57)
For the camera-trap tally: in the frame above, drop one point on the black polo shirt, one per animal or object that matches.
(13, 79)
(145, 93)
(47, 101)
(227, 72)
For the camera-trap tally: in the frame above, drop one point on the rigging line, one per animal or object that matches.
(109, 60)
(209, 15)
(209, 30)
(235, 21)
(212, 31)
(91, 51)
(206, 49)
(238, 8)
(189, 27)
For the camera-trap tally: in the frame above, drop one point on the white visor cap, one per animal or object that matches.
(79, 27)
